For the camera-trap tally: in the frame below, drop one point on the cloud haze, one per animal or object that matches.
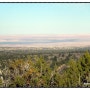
(45, 40)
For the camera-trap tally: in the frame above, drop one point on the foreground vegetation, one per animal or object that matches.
(45, 70)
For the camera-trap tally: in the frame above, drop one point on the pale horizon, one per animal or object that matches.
(65, 40)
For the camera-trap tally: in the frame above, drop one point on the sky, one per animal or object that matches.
(44, 18)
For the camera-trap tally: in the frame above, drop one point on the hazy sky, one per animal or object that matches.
(44, 18)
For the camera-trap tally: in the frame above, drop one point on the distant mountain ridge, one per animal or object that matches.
(44, 40)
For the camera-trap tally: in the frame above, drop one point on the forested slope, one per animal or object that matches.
(36, 71)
